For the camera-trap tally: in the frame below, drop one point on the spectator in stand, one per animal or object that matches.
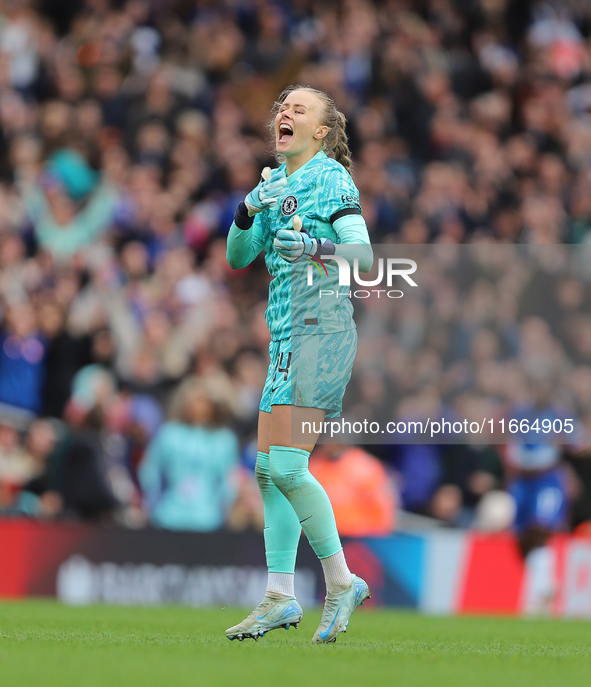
(579, 461)
(69, 209)
(539, 485)
(97, 482)
(66, 354)
(16, 467)
(42, 494)
(87, 490)
(22, 359)
(188, 472)
(359, 489)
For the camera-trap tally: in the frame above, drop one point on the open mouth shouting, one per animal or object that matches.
(285, 133)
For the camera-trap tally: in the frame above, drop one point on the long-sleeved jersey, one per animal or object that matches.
(324, 195)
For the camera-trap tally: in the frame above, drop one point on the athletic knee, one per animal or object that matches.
(288, 467)
(261, 471)
(287, 481)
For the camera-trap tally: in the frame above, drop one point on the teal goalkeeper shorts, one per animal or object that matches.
(310, 371)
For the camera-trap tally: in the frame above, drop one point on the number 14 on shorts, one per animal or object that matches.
(283, 363)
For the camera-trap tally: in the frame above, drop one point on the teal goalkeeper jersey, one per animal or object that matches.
(320, 192)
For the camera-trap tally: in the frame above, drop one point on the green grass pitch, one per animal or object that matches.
(46, 644)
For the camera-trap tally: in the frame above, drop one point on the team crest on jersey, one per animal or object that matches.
(289, 205)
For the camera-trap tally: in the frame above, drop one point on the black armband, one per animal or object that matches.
(241, 217)
(343, 213)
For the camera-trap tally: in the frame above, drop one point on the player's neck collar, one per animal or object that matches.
(300, 170)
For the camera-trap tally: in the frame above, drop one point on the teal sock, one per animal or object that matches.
(289, 472)
(282, 526)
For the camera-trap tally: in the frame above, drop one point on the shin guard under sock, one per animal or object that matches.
(289, 471)
(282, 526)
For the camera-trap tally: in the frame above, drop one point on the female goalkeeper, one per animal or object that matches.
(312, 347)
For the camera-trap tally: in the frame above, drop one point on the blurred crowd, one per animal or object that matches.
(131, 357)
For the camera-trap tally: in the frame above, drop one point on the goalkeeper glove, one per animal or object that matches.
(299, 245)
(266, 193)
